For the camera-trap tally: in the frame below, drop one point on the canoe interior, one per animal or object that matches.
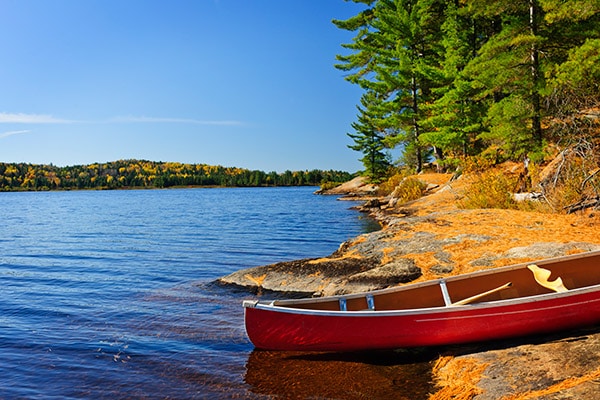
(578, 271)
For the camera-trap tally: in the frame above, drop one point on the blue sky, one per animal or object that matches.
(246, 83)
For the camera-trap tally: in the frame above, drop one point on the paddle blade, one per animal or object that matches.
(541, 276)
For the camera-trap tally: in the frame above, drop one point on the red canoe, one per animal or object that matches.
(523, 299)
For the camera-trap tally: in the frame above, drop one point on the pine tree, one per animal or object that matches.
(394, 56)
(455, 117)
(407, 65)
(360, 60)
(369, 138)
(459, 75)
(506, 73)
(532, 38)
(574, 82)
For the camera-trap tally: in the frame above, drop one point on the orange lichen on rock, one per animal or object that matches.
(347, 255)
(504, 230)
(424, 261)
(434, 178)
(257, 280)
(387, 258)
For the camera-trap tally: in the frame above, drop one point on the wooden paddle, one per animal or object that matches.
(481, 295)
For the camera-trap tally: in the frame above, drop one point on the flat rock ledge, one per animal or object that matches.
(389, 257)
(318, 277)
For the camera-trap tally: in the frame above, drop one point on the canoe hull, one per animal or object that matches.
(279, 328)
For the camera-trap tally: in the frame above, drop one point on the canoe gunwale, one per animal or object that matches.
(270, 306)
(288, 306)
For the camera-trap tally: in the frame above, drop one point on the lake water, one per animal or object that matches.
(110, 294)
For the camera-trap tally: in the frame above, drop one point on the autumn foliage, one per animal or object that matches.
(149, 174)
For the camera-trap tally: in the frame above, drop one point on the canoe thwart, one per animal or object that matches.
(541, 276)
(481, 295)
(445, 294)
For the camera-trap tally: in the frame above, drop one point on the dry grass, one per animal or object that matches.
(556, 388)
(491, 189)
(392, 183)
(457, 378)
(505, 228)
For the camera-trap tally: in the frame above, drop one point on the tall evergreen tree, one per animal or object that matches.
(407, 65)
(455, 117)
(363, 48)
(574, 84)
(456, 74)
(369, 138)
(360, 64)
(507, 73)
(394, 56)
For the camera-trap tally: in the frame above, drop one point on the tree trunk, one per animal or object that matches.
(536, 120)
(416, 124)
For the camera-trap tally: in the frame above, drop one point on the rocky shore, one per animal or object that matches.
(433, 237)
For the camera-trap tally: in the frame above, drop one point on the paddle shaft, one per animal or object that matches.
(481, 295)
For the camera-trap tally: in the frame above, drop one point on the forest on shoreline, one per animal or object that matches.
(495, 79)
(128, 174)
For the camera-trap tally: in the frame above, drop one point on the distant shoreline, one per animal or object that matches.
(142, 174)
(149, 188)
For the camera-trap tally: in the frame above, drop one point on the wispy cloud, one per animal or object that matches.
(134, 119)
(12, 133)
(22, 118)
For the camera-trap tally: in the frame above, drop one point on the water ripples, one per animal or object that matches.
(109, 294)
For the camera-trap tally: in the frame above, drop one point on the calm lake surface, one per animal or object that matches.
(110, 294)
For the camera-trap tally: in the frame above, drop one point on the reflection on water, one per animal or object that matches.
(218, 361)
(374, 375)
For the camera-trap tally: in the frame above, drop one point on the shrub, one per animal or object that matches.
(410, 189)
(328, 185)
(492, 189)
(567, 186)
(483, 161)
(387, 187)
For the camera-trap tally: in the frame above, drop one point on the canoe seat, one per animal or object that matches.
(541, 276)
